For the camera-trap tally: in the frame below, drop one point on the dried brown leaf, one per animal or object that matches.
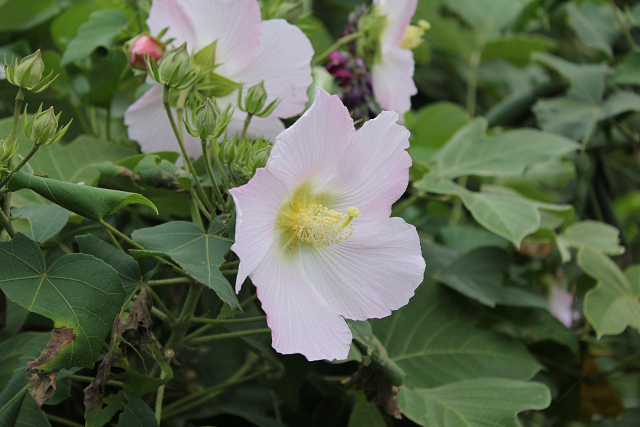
(60, 337)
(377, 389)
(44, 385)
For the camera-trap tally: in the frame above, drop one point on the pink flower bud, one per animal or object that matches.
(144, 46)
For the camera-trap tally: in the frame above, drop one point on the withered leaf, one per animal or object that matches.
(138, 318)
(43, 385)
(60, 337)
(376, 388)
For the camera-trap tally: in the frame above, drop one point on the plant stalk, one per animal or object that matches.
(227, 321)
(14, 135)
(209, 338)
(247, 121)
(182, 323)
(24, 161)
(207, 163)
(342, 41)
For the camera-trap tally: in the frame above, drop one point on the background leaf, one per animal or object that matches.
(45, 221)
(100, 31)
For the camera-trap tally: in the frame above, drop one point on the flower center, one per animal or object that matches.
(322, 226)
(413, 35)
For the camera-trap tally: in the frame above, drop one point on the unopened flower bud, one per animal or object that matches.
(141, 47)
(28, 73)
(256, 97)
(207, 117)
(174, 65)
(42, 127)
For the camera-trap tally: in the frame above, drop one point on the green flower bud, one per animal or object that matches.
(174, 65)
(42, 127)
(255, 100)
(207, 116)
(28, 73)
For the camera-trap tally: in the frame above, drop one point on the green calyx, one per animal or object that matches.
(371, 25)
(8, 152)
(174, 69)
(207, 121)
(242, 157)
(255, 100)
(28, 73)
(42, 127)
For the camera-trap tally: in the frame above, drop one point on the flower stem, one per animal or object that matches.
(185, 157)
(193, 209)
(247, 121)
(472, 87)
(230, 335)
(112, 238)
(207, 163)
(225, 182)
(6, 223)
(14, 135)
(174, 281)
(342, 41)
(24, 161)
(227, 321)
(85, 379)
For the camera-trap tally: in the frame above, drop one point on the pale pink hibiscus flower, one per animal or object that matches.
(392, 70)
(314, 231)
(248, 50)
(561, 306)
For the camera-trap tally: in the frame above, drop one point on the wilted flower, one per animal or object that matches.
(561, 306)
(244, 50)
(314, 233)
(141, 47)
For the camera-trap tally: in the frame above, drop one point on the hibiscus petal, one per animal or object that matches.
(149, 125)
(235, 24)
(309, 149)
(257, 204)
(374, 170)
(392, 80)
(168, 13)
(398, 14)
(372, 272)
(299, 318)
(283, 62)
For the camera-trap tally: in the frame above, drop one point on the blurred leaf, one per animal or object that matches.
(317, 33)
(16, 316)
(127, 268)
(433, 339)
(593, 234)
(136, 413)
(628, 69)
(200, 254)
(365, 414)
(516, 49)
(101, 30)
(595, 24)
(503, 213)
(78, 292)
(11, 398)
(470, 152)
(433, 126)
(487, 17)
(105, 77)
(612, 304)
(19, 15)
(478, 403)
(65, 25)
(45, 221)
(479, 275)
(31, 415)
(89, 202)
(465, 238)
(16, 351)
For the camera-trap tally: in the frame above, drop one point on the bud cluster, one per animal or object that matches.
(174, 70)
(42, 127)
(242, 158)
(8, 152)
(28, 73)
(207, 121)
(255, 100)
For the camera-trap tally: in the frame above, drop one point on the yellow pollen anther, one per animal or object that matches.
(413, 35)
(322, 226)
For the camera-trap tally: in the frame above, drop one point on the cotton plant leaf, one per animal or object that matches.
(516, 48)
(365, 413)
(614, 303)
(89, 202)
(470, 152)
(136, 413)
(592, 234)
(499, 211)
(80, 293)
(101, 30)
(45, 221)
(435, 341)
(595, 24)
(478, 403)
(200, 253)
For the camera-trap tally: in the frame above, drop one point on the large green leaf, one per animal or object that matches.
(200, 254)
(78, 292)
(594, 235)
(101, 30)
(479, 275)
(127, 268)
(486, 402)
(365, 413)
(487, 17)
(516, 49)
(614, 303)
(31, 415)
(90, 202)
(503, 213)
(470, 152)
(595, 24)
(11, 399)
(22, 15)
(45, 221)
(434, 340)
(136, 413)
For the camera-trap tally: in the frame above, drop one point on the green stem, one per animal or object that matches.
(160, 305)
(230, 335)
(344, 40)
(85, 379)
(174, 281)
(14, 135)
(193, 209)
(182, 323)
(212, 177)
(623, 25)
(62, 421)
(159, 398)
(247, 121)
(201, 206)
(233, 271)
(474, 63)
(108, 123)
(225, 182)
(160, 315)
(397, 210)
(201, 194)
(248, 300)
(6, 223)
(113, 239)
(198, 332)
(456, 214)
(227, 321)
(24, 161)
(196, 399)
